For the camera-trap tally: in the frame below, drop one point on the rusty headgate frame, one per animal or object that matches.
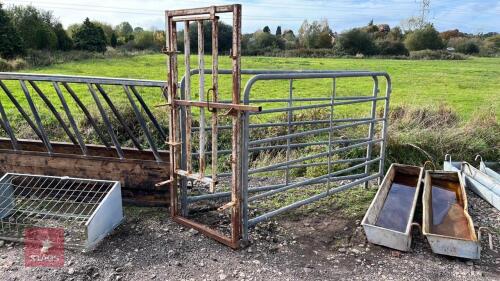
(234, 108)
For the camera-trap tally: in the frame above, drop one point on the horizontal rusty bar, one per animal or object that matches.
(194, 18)
(200, 11)
(195, 176)
(218, 105)
(211, 233)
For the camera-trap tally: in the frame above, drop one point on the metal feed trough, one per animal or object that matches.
(481, 181)
(446, 222)
(389, 218)
(87, 210)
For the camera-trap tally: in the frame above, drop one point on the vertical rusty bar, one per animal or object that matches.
(215, 87)
(171, 32)
(187, 91)
(201, 67)
(236, 137)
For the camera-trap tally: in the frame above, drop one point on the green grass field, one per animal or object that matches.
(467, 86)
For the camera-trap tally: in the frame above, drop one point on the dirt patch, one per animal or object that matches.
(316, 246)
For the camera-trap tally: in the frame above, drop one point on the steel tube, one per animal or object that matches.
(79, 79)
(139, 118)
(314, 106)
(21, 110)
(371, 128)
(213, 196)
(309, 200)
(118, 116)
(311, 181)
(148, 112)
(296, 123)
(105, 119)
(323, 154)
(201, 94)
(87, 114)
(72, 122)
(8, 128)
(313, 132)
(51, 107)
(38, 120)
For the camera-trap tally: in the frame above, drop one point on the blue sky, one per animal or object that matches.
(468, 16)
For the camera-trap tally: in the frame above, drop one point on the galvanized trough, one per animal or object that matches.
(492, 169)
(479, 181)
(87, 210)
(388, 220)
(446, 221)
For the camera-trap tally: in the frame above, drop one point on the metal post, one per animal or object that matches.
(289, 129)
(201, 67)
(215, 88)
(330, 132)
(187, 92)
(371, 129)
(236, 137)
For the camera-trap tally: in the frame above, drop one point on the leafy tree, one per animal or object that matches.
(90, 37)
(396, 34)
(315, 35)
(64, 42)
(34, 26)
(391, 48)
(107, 28)
(159, 38)
(278, 31)
(144, 40)
(225, 37)
(465, 45)
(356, 41)
(491, 46)
(12, 44)
(447, 35)
(266, 29)
(424, 38)
(124, 29)
(138, 29)
(113, 40)
(72, 28)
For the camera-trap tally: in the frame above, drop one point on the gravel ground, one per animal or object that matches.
(149, 246)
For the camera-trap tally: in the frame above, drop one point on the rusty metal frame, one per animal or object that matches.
(182, 106)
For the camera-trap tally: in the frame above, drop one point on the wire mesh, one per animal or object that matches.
(28, 201)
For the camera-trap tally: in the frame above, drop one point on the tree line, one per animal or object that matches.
(24, 28)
